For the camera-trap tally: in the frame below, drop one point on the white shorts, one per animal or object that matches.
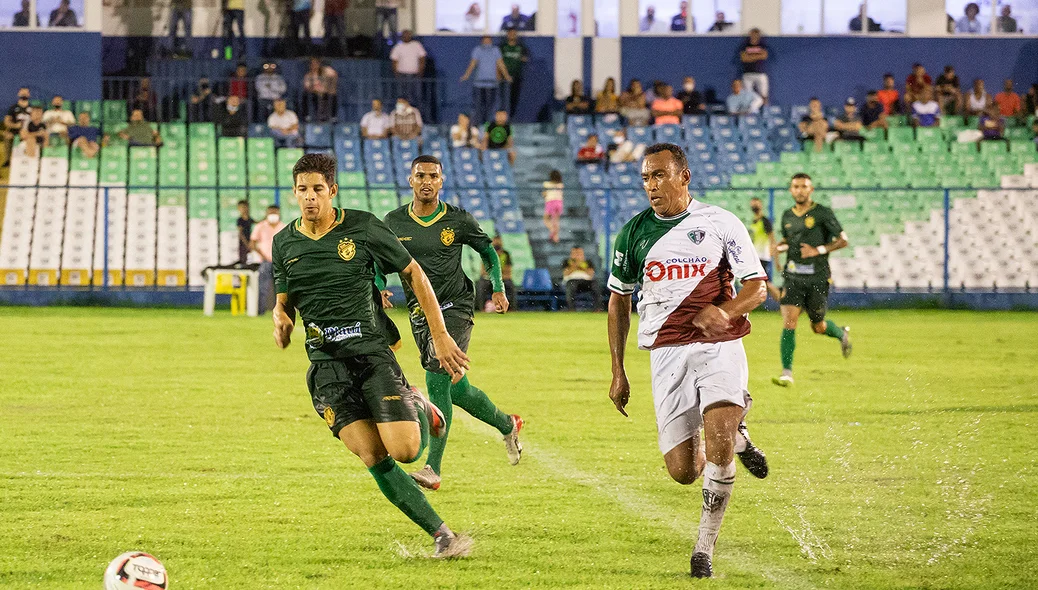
(689, 378)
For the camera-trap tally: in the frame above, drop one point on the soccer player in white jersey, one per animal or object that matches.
(686, 255)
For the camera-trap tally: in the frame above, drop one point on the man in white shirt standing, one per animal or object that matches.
(375, 124)
(408, 57)
(57, 118)
(284, 125)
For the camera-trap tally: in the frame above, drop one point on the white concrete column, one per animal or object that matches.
(425, 17)
(927, 18)
(547, 18)
(628, 17)
(765, 15)
(569, 63)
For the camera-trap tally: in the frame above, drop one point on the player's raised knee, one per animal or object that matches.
(404, 451)
(683, 474)
(818, 328)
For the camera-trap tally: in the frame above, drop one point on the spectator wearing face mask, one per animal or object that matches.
(261, 242)
(58, 118)
(622, 149)
(406, 121)
(232, 119)
(691, 99)
(17, 116)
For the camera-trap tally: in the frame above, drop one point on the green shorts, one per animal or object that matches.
(810, 295)
(459, 326)
(362, 387)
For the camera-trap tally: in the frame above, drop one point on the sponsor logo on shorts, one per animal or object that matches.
(329, 416)
(674, 269)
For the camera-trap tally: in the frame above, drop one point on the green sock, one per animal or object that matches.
(439, 387)
(475, 402)
(403, 492)
(423, 425)
(788, 344)
(832, 330)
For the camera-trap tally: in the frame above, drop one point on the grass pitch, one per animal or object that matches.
(911, 465)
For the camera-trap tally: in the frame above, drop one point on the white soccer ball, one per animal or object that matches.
(136, 571)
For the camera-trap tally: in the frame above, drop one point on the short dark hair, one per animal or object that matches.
(426, 159)
(675, 151)
(814, 98)
(555, 176)
(243, 202)
(888, 75)
(800, 175)
(322, 164)
(273, 207)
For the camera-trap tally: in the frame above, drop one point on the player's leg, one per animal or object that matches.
(678, 419)
(816, 306)
(438, 385)
(787, 344)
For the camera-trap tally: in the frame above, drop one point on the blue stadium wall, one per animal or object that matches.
(50, 63)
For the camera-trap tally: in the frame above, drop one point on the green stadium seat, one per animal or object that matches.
(286, 160)
(876, 147)
(963, 148)
(89, 106)
(354, 198)
(114, 112)
(202, 131)
(898, 135)
(993, 147)
(744, 181)
(1019, 133)
(896, 121)
(793, 158)
(822, 156)
(846, 147)
(877, 134)
(351, 180)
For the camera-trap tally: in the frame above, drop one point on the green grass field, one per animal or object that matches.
(911, 465)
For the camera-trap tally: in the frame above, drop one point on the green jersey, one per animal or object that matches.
(436, 244)
(330, 278)
(512, 56)
(817, 227)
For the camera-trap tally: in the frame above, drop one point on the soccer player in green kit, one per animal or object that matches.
(809, 233)
(324, 266)
(434, 233)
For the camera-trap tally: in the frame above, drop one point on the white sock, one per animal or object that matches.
(717, 490)
(740, 442)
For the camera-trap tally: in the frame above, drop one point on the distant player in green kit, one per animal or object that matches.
(809, 233)
(324, 266)
(434, 233)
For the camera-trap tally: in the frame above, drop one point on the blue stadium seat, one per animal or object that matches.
(773, 110)
(466, 154)
(347, 130)
(259, 130)
(318, 136)
(690, 121)
(436, 144)
(640, 135)
(749, 121)
(724, 133)
(797, 111)
(722, 121)
(752, 133)
(668, 134)
(579, 121)
(701, 146)
(537, 280)
(701, 133)
(776, 121)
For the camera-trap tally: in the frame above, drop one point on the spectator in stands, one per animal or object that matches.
(63, 16)
(691, 99)
(969, 23)
(754, 57)
(14, 121)
(872, 114)
(238, 85)
(21, 19)
(499, 135)
(577, 103)
(320, 91)
(915, 83)
(474, 21)
(284, 125)
(200, 110)
(667, 109)
(408, 59)
(270, 87)
(516, 20)
(814, 125)
(406, 121)
(978, 100)
(233, 120)
(849, 124)
(245, 224)
(1006, 23)
(992, 125)
(464, 133)
(888, 96)
(234, 14)
(489, 67)
(578, 276)
(261, 241)
(856, 22)
(925, 111)
(680, 21)
(139, 132)
(607, 100)
(85, 137)
(742, 100)
(650, 24)
(375, 124)
(653, 92)
(633, 106)
(1009, 103)
(1031, 101)
(144, 99)
(552, 194)
(591, 152)
(335, 26)
(515, 55)
(180, 13)
(299, 26)
(386, 17)
(34, 133)
(484, 289)
(720, 24)
(949, 92)
(622, 149)
(58, 119)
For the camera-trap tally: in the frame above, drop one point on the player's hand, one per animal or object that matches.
(386, 303)
(712, 321)
(620, 392)
(451, 357)
(282, 328)
(807, 251)
(500, 302)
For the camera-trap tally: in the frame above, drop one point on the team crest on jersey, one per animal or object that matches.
(329, 416)
(347, 249)
(447, 236)
(809, 222)
(697, 236)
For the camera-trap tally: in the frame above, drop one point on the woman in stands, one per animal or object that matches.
(464, 133)
(607, 100)
(576, 102)
(553, 204)
(978, 100)
(633, 106)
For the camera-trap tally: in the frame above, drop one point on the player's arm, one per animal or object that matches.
(619, 327)
(451, 357)
(833, 228)
(492, 263)
(380, 284)
(284, 320)
(714, 320)
(752, 294)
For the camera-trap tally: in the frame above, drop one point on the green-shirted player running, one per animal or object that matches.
(434, 233)
(324, 266)
(809, 233)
